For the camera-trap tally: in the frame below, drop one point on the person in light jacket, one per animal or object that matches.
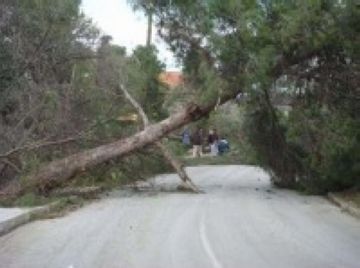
(213, 140)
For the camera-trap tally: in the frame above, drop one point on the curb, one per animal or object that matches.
(10, 224)
(345, 205)
(89, 192)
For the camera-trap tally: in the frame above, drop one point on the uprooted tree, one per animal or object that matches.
(64, 169)
(61, 170)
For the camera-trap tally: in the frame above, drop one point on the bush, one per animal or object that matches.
(272, 152)
(330, 146)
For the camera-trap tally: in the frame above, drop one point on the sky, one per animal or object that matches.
(128, 28)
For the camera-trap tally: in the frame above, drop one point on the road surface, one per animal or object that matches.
(241, 221)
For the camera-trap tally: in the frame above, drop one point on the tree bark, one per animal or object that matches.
(59, 171)
(177, 166)
(150, 13)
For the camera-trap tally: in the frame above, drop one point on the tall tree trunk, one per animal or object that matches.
(149, 26)
(177, 166)
(61, 170)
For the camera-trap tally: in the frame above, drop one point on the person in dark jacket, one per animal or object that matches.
(223, 146)
(197, 140)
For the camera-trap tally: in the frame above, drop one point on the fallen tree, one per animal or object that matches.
(59, 171)
(177, 166)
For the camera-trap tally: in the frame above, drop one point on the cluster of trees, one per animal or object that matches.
(302, 53)
(59, 88)
(55, 85)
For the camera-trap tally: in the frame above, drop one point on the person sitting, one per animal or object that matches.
(223, 146)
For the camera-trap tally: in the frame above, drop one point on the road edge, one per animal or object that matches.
(344, 205)
(32, 214)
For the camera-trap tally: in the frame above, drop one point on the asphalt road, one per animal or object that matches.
(241, 221)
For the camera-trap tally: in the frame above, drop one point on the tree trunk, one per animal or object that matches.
(177, 166)
(149, 25)
(61, 170)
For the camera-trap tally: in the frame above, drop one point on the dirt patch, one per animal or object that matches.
(351, 196)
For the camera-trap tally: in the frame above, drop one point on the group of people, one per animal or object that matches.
(199, 140)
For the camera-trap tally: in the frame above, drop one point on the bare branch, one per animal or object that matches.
(136, 105)
(36, 146)
(11, 164)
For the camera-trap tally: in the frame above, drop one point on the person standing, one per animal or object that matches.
(197, 139)
(213, 140)
(185, 137)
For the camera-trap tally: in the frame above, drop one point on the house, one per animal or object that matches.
(171, 79)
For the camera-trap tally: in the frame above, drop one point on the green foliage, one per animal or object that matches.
(139, 166)
(146, 77)
(31, 162)
(307, 50)
(28, 200)
(32, 200)
(210, 86)
(177, 148)
(229, 122)
(60, 80)
(330, 154)
(267, 136)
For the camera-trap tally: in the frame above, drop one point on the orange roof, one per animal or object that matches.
(171, 79)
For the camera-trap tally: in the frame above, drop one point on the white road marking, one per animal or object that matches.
(206, 244)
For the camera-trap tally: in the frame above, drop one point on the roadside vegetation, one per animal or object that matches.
(352, 197)
(301, 117)
(59, 93)
(294, 66)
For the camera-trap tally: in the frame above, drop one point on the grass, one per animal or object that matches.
(27, 200)
(32, 200)
(64, 206)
